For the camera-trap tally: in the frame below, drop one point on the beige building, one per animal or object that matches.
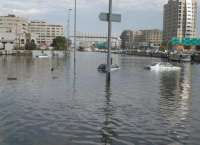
(12, 23)
(180, 19)
(44, 32)
(17, 26)
(150, 37)
(141, 38)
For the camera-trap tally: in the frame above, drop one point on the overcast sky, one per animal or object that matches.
(136, 14)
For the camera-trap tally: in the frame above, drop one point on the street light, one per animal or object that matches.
(75, 37)
(68, 27)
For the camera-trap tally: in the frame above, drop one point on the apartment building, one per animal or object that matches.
(12, 25)
(180, 19)
(44, 32)
(141, 38)
(152, 37)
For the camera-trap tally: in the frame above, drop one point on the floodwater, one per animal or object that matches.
(138, 107)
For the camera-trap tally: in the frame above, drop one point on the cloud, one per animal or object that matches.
(33, 7)
(54, 10)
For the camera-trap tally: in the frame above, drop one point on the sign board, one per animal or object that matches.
(186, 41)
(114, 17)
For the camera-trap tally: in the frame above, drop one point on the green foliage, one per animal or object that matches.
(30, 45)
(61, 43)
(33, 45)
(164, 43)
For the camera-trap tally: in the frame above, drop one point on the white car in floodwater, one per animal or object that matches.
(162, 66)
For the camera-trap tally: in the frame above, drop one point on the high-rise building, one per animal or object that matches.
(180, 19)
(45, 32)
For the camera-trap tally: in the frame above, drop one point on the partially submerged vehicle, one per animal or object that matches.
(103, 68)
(162, 66)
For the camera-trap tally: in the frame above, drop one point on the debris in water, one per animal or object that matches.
(11, 78)
(54, 77)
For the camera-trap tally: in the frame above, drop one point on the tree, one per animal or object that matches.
(33, 45)
(61, 43)
(30, 45)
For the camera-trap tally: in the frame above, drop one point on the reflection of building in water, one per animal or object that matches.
(16, 66)
(107, 130)
(175, 93)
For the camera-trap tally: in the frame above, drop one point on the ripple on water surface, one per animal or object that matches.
(138, 107)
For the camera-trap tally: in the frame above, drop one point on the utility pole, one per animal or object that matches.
(109, 17)
(68, 27)
(75, 37)
(109, 41)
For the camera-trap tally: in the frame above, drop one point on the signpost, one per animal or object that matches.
(114, 17)
(109, 17)
(75, 13)
(185, 41)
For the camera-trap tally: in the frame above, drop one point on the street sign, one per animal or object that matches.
(114, 17)
(186, 41)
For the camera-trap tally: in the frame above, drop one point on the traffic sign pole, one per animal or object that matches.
(109, 41)
(114, 17)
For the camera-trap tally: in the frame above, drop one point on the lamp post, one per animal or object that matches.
(68, 27)
(74, 36)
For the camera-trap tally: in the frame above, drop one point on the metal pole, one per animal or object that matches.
(168, 49)
(68, 27)
(109, 41)
(75, 37)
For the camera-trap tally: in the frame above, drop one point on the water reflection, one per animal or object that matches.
(136, 108)
(175, 101)
(12, 66)
(107, 130)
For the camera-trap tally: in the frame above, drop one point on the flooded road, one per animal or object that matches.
(138, 107)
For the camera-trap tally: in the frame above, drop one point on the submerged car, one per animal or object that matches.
(165, 66)
(103, 68)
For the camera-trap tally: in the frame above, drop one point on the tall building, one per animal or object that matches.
(180, 19)
(44, 32)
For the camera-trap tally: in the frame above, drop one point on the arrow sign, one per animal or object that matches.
(114, 17)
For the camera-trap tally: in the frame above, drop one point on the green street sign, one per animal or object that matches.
(185, 41)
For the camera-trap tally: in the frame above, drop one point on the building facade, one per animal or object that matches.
(180, 19)
(127, 38)
(16, 26)
(7, 41)
(44, 32)
(141, 38)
